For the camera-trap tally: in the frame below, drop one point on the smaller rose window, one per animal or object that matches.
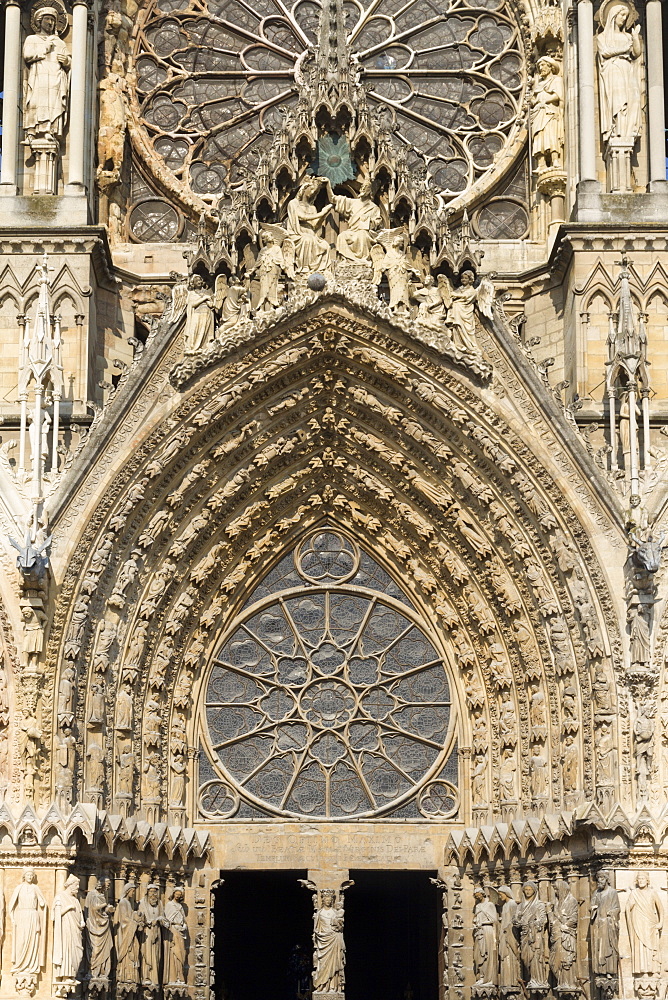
(327, 699)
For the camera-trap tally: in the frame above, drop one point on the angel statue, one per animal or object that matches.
(434, 299)
(396, 265)
(179, 295)
(199, 327)
(275, 256)
(464, 300)
(230, 302)
(303, 222)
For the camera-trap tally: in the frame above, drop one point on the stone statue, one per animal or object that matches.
(199, 328)
(48, 62)
(619, 73)
(272, 261)
(330, 951)
(547, 119)
(395, 264)
(485, 950)
(32, 643)
(640, 635)
(461, 313)
(644, 919)
(304, 221)
(563, 935)
(151, 919)
(509, 948)
(643, 736)
(126, 924)
(176, 935)
(363, 215)
(604, 927)
(68, 926)
(231, 302)
(124, 708)
(434, 299)
(99, 939)
(531, 919)
(27, 909)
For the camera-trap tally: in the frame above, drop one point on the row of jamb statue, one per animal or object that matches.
(150, 942)
(530, 938)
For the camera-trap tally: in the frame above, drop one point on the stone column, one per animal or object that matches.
(586, 93)
(12, 96)
(75, 181)
(655, 107)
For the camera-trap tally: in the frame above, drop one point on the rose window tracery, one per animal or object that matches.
(213, 77)
(328, 698)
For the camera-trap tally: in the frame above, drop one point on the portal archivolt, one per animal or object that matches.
(405, 458)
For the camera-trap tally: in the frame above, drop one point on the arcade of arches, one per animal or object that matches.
(333, 500)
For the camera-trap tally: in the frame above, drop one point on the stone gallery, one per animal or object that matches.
(333, 497)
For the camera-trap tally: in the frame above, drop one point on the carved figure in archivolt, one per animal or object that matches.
(509, 946)
(330, 951)
(27, 909)
(304, 222)
(99, 941)
(48, 62)
(563, 935)
(531, 920)
(485, 928)
(126, 925)
(152, 920)
(644, 919)
(619, 71)
(176, 935)
(605, 927)
(68, 927)
(547, 110)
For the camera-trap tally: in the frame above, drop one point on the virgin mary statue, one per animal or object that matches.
(619, 73)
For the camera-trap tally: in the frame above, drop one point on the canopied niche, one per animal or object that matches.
(329, 696)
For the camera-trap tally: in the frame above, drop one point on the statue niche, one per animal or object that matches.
(46, 91)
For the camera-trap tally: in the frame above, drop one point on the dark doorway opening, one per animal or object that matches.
(263, 927)
(392, 932)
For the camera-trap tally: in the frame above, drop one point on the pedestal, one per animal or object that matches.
(618, 150)
(46, 153)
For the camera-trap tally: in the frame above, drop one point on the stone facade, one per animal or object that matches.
(333, 486)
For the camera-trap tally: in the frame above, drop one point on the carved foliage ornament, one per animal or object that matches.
(211, 79)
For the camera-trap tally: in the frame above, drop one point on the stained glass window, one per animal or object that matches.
(211, 77)
(328, 699)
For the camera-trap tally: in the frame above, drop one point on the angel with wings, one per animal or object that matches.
(199, 316)
(390, 258)
(434, 300)
(464, 300)
(230, 302)
(179, 295)
(276, 256)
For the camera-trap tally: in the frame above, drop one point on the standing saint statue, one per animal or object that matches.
(619, 73)
(27, 909)
(644, 919)
(126, 924)
(605, 927)
(547, 120)
(563, 935)
(68, 927)
(175, 939)
(48, 62)
(485, 952)
(330, 951)
(151, 919)
(363, 216)
(199, 327)
(509, 948)
(531, 919)
(99, 941)
(303, 224)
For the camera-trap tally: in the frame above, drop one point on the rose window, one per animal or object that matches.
(213, 76)
(328, 698)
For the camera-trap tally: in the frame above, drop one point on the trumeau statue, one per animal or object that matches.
(68, 926)
(605, 927)
(330, 952)
(620, 71)
(644, 919)
(27, 909)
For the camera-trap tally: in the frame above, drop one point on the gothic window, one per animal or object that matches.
(329, 698)
(211, 77)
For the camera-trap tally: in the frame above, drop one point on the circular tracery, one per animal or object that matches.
(328, 700)
(212, 77)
